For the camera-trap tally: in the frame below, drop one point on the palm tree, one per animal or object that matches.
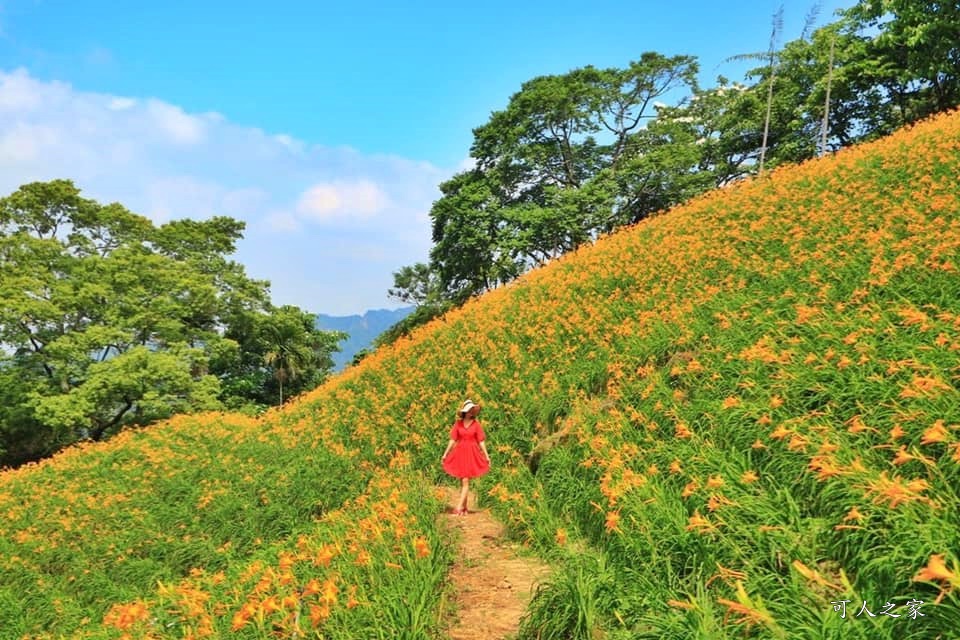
(288, 350)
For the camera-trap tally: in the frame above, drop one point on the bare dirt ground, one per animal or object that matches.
(491, 580)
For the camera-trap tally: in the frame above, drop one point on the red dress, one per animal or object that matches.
(466, 459)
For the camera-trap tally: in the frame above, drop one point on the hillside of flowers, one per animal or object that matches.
(737, 419)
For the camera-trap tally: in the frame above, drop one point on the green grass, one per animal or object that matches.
(741, 412)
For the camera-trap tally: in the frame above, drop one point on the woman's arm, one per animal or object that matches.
(449, 447)
(483, 447)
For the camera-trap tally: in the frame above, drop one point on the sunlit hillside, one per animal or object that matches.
(736, 419)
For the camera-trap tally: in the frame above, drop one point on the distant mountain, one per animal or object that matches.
(362, 330)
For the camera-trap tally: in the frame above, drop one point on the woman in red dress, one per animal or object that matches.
(466, 455)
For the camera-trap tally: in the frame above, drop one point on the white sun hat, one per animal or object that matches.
(468, 405)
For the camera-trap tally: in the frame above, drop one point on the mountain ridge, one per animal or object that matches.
(361, 329)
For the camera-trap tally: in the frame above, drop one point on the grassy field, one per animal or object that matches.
(736, 419)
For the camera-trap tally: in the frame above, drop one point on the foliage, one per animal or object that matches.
(295, 350)
(745, 415)
(548, 174)
(914, 56)
(577, 155)
(109, 320)
(419, 285)
(170, 534)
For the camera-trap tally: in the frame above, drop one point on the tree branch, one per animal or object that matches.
(97, 433)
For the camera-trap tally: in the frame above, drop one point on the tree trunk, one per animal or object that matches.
(97, 434)
(826, 107)
(766, 121)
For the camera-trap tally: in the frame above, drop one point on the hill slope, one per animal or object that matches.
(736, 419)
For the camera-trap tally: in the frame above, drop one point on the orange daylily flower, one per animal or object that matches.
(798, 442)
(319, 613)
(324, 555)
(715, 481)
(936, 433)
(896, 491)
(726, 575)
(924, 386)
(560, 537)
(853, 514)
(780, 433)
(748, 614)
(243, 616)
(613, 521)
(421, 547)
(352, 597)
(824, 466)
(730, 402)
(718, 500)
(700, 524)
(858, 426)
(936, 571)
(903, 457)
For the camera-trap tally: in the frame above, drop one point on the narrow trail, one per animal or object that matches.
(491, 582)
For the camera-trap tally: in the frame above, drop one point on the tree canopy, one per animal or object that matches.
(576, 155)
(109, 320)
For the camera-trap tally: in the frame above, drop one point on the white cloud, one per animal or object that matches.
(282, 221)
(171, 120)
(19, 92)
(244, 203)
(326, 225)
(290, 143)
(121, 104)
(358, 200)
(25, 143)
(165, 195)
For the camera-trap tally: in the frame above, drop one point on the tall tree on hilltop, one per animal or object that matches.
(576, 155)
(534, 192)
(771, 73)
(912, 54)
(714, 136)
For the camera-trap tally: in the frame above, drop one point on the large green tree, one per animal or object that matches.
(553, 170)
(886, 63)
(108, 320)
(912, 53)
(576, 155)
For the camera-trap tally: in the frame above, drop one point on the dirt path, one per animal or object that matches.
(492, 582)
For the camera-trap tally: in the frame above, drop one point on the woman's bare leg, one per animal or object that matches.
(464, 493)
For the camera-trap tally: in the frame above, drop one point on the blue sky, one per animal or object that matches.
(325, 126)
